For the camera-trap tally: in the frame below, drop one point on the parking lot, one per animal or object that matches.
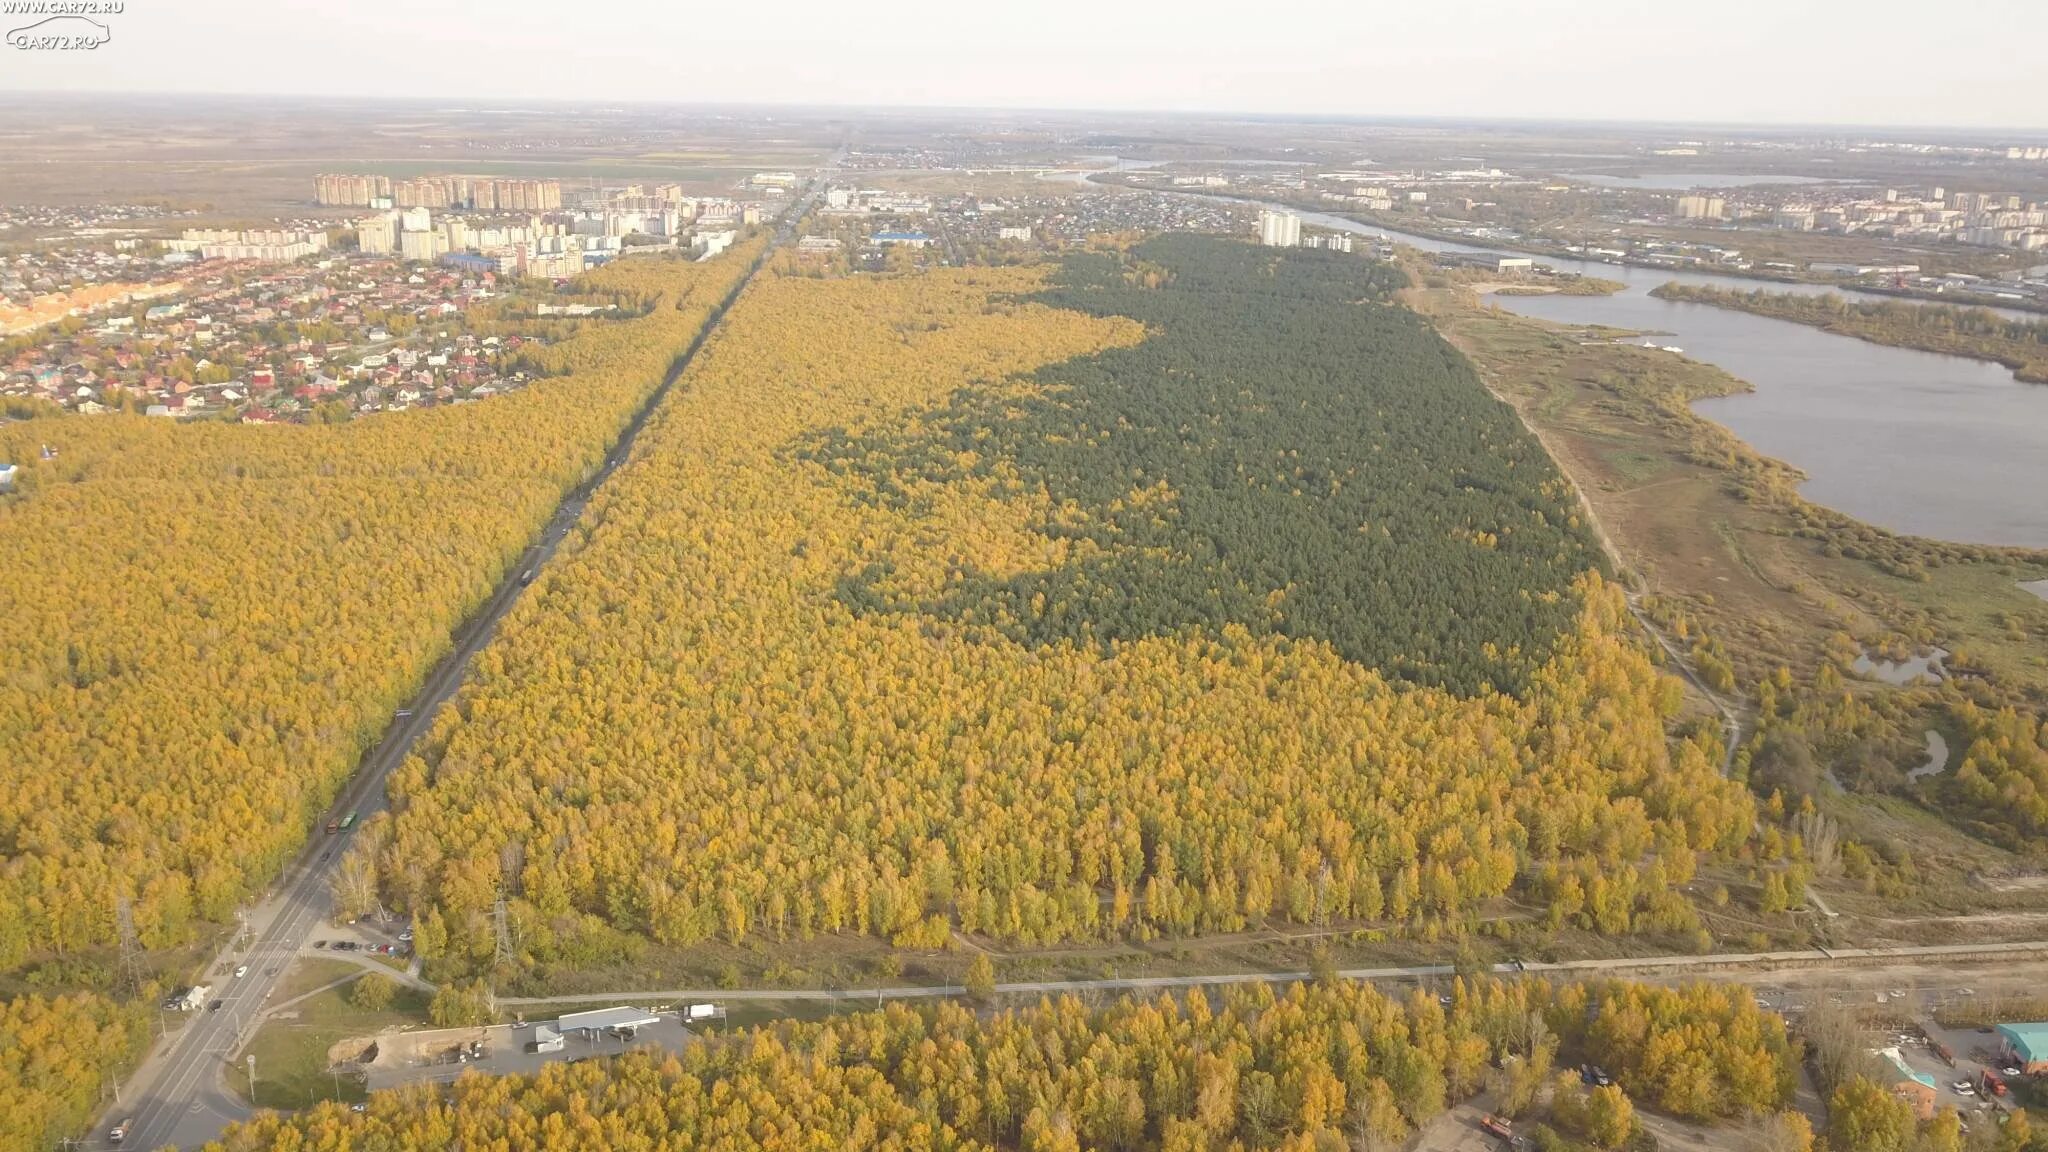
(1915, 1033)
(1975, 1050)
(361, 947)
(389, 938)
(444, 1054)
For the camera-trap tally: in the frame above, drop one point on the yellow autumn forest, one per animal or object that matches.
(1312, 1067)
(710, 723)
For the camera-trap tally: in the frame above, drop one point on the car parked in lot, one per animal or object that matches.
(1964, 1088)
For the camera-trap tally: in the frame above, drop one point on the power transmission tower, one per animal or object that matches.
(502, 928)
(502, 953)
(130, 971)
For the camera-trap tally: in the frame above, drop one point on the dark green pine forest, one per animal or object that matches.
(1289, 451)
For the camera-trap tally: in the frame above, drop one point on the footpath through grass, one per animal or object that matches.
(291, 1048)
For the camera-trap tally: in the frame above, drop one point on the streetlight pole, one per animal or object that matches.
(252, 1078)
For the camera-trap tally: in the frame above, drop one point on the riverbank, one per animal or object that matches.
(1485, 282)
(1719, 532)
(1401, 226)
(1942, 328)
(1577, 286)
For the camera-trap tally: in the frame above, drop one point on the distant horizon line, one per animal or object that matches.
(492, 103)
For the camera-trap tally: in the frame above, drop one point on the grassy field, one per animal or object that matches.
(291, 1047)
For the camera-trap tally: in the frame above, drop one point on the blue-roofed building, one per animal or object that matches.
(2026, 1045)
(1915, 1088)
(470, 262)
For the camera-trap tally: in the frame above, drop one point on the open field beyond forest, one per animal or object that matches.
(241, 155)
(232, 189)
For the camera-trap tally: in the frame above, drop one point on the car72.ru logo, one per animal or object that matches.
(60, 34)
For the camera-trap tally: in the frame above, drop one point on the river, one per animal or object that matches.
(1686, 181)
(1938, 446)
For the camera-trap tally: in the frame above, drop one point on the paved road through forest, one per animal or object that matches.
(178, 1096)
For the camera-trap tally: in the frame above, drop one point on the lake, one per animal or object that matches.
(1928, 445)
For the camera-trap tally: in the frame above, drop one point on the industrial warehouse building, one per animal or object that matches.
(606, 1020)
(2026, 1046)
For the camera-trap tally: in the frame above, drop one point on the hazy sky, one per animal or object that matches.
(1903, 62)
